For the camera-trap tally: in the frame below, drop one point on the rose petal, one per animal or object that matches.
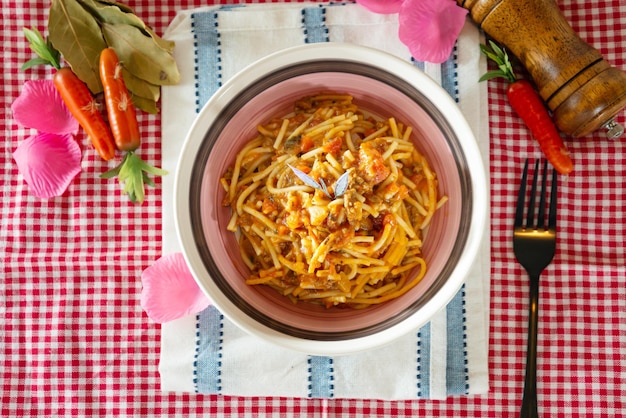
(39, 106)
(48, 163)
(430, 28)
(170, 291)
(381, 6)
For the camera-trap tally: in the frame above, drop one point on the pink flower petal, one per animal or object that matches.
(170, 291)
(382, 6)
(39, 106)
(48, 163)
(430, 28)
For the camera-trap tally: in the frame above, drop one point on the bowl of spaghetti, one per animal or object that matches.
(330, 198)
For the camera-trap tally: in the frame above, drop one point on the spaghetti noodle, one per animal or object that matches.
(330, 204)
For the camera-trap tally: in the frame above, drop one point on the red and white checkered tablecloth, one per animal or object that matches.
(74, 340)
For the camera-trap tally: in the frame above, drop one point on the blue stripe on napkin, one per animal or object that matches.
(209, 325)
(456, 339)
(449, 76)
(207, 52)
(320, 369)
(320, 377)
(314, 23)
(456, 356)
(423, 362)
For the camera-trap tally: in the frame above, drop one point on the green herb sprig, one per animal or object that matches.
(46, 54)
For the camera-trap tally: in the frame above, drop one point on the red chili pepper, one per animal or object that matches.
(84, 108)
(529, 106)
(120, 109)
(132, 171)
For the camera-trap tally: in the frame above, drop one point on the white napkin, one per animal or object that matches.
(206, 353)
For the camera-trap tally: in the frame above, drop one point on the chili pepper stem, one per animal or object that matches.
(133, 172)
(529, 106)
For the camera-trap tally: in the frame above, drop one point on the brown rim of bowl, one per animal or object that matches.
(282, 74)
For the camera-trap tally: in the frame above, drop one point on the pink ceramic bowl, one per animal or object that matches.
(381, 84)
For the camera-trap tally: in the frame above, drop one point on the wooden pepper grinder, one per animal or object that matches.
(581, 89)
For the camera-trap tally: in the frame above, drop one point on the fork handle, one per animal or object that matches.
(529, 401)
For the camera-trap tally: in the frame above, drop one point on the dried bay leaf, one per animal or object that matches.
(140, 57)
(162, 43)
(75, 33)
(107, 12)
(121, 6)
(140, 87)
(113, 12)
(147, 105)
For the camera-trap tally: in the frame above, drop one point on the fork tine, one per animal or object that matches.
(541, 215)
(531, 204)
(552, 214)
(519, 210)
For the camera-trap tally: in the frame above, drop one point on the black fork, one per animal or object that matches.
(534, 244)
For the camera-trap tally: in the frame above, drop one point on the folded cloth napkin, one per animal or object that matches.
(205, 353)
